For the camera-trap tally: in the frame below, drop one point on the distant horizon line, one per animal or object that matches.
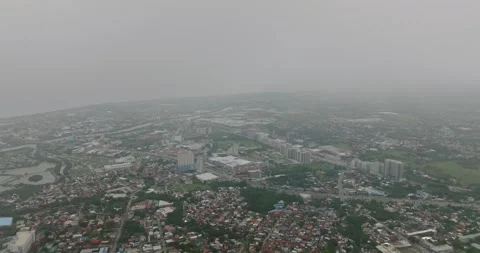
(343, 93)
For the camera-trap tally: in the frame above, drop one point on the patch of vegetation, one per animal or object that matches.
(300, 175)
(190, 187)
(262, 200)
(176, 217)
(23, 191)
(400, 190)
(35, 178)
(131, 228)
(378, 211)
(354, 231)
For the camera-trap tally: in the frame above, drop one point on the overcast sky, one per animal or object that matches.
(60, 53)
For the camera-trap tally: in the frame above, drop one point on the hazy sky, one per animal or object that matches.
(61, 53)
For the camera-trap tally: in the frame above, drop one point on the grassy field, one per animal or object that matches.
(452, 169)
(190, 187)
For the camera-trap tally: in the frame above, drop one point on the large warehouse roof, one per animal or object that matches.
(230, 161)
(6, 221)
(206, 177)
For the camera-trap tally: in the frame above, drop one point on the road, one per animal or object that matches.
(380, 198)
(125, 216)
(32, 146)
(162, 238)
(341, 193)
(271, 230)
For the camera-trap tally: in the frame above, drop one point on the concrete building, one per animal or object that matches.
(200, 164)
(118, 166)
(203, 130)
(393, 170)
(6, 221)
(255, 174)
(233, 150)
(177, 138)
(303, 156)
(22, 242)
(284, 149)
(185, 161)
(231, 163)
(292, 153)
(205, 177)
(375, 168)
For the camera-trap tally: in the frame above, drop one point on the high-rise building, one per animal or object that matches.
(393, 169)
(304, 157)
(185, 161)
(374, 167)
(284, 149)
(292, 153)
(199, 165)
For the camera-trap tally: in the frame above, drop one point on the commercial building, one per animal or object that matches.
(177, 138)
(295, 152)
(205, 177)
(203, 130)
(95, 250)
(393, 170)
(185, 161)
(230, 162)
(200, 164)
(467, 238)
(118, 166)
(387, 248)
(255, 174)
(233, 150)
(125, 159)
(22, 242)
(6, 221)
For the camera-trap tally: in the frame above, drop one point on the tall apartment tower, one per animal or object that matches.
(284, 149)
(200, 164)
(185, 161)
(393, 169)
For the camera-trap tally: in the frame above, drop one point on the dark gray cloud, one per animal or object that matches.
(57, 53)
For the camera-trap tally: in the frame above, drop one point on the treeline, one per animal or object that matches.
(378, 211)
(131, 228)
(354, 231)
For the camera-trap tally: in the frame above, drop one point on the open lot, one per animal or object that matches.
(225, 144)
(190, 187)
(452, 169)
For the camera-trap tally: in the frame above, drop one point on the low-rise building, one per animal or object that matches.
(22, 242)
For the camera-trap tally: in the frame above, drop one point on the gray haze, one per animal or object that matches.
(59, 53)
